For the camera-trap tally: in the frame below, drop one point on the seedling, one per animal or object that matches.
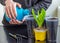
(40, 17)
(40, 32)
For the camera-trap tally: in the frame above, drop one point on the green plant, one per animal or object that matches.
(40, 17)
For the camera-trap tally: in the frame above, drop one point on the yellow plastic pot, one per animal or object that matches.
(40, 34)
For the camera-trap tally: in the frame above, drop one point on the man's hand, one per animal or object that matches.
(13, 21)
(11, 8)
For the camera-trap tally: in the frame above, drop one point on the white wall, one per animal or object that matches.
(2, 33)
(1, 13)
(52, 10)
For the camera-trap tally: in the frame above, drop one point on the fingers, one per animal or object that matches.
(8, 12)
(18, 22)
(12, 11)
(13, 21)
(19, 5)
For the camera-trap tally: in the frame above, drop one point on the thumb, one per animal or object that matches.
(19, 5)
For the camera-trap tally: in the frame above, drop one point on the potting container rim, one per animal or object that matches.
(41, 30)
(49, 18)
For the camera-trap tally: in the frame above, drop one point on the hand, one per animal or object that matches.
(13, 21)
(11, 8)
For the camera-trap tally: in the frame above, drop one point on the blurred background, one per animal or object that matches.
(53, 11)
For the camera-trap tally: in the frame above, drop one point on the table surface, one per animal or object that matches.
(34, 41)
(3, 38)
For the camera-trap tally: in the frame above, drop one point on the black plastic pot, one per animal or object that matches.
(52, 26)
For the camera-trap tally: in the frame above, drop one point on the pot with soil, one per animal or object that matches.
(40, 32)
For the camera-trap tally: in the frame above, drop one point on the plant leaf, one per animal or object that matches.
(34, 15)
(40, 17)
